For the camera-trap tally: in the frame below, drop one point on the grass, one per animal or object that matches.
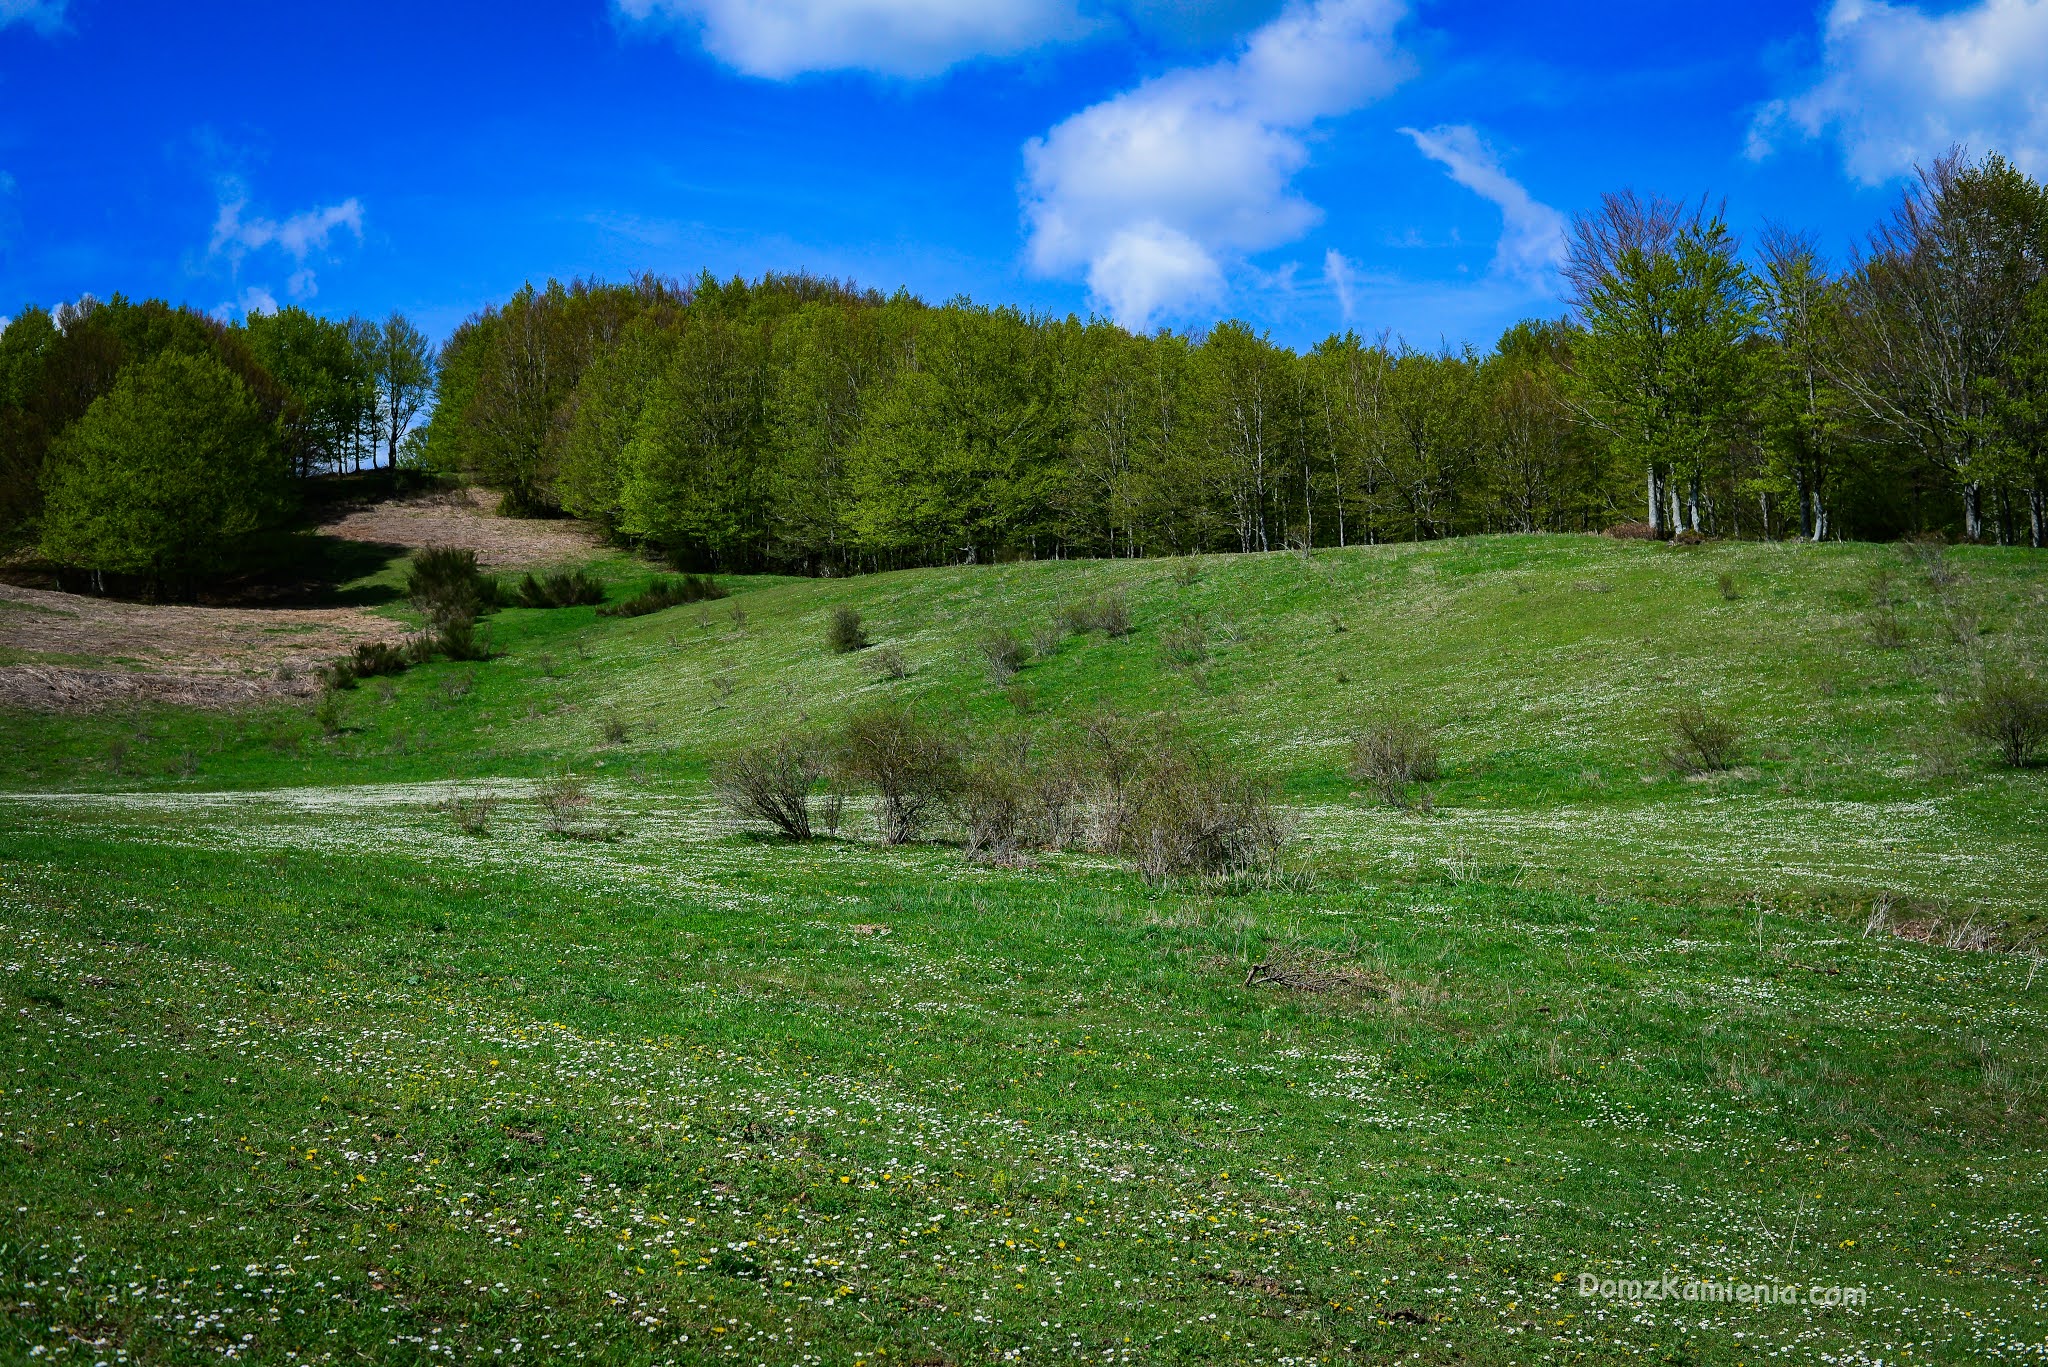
(305, 1071)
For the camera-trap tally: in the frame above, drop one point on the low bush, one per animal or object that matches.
(1184, 645)
(2010, 712)
(472, 815)
(1110, 614)
(1199, 817)
(445, 580)
(1003, 651)
(376, 659)
(845, 633)
(1393, 754)
(1729, 592)
(1703, 741)
(666, 593)
(1634, 531)
(772, 782)
(912, 764)
(570, 589)
(888, 663)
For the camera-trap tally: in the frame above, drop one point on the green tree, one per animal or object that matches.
(164, 474)
(318, 360)
(1662, 367)
(693, 470)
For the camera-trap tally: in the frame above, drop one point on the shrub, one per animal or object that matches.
(1688, 538)
(844, 632)
(614, 729)
(1703, 741)
(445, 581)
(1109, 614)
(1187, 571)
(565, 801)
(1198, 817)
(575, 588)
(1003, 651)
(992, 802)
(1185, 645)
(888, 663)
(912, 764)
(327, 712)
(666, 593)
(1109, 758)
(457, 636)
(1728, 589)
(2009, 712)
(472, 815)
(376, 659)
(1393, 754)
(772, 782)
(1633, 531)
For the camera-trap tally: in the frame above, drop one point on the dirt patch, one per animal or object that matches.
(466, 519)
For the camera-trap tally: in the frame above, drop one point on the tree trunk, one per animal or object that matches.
(1656, 504)
(1973, 511)
(2037, 513)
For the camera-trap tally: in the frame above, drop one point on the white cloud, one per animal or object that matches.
(1342, 278)
(1154, 193)
(257, 299)
(1898, 87)
(779, 39)
(1532, 242)
(298, 236)
(44, 16)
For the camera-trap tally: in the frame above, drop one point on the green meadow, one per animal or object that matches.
(305, 1069)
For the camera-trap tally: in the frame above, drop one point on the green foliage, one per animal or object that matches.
(165, 474)
(2010, 713)
(844, 631)
(666, 593)
(559, 589)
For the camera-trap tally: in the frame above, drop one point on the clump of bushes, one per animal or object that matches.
(566, 806)
(371, 660)
(1109, 613)
(2009, 712)
(445, 584)
(1185, 645)
(888, 663)
(1197, 816)
(773, 782)
(1004, 652)
(1703, 741)
(1393, 754)
(667, 593)
(910, 762)
(845, 632)
(563, 589)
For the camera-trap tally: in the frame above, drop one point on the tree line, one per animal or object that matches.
(148, 442)
(800, 423)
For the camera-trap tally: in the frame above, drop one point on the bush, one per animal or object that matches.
(772, 782)
(666, 593)
(444, 581)
(844, 632)
(888, 663)
(1633, 531)
(1702, 741)
(327, 712)
(1729, 591)
(2009, 712)
(564, 801)
(1109, 614)
(1185, 645)
(472, 815)
(993, 804)
(1198, 817)
(1392, 754)
(572, 589)
(377, 659)
(1004, 652)
(1109, 759)
(458, 637)
(912, 764)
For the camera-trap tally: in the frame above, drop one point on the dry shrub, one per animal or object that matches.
(1633, 531)
(888, 663)
(1197, 817)
(1187, 571)
(1298, 968)
(1108, 613)
(1703, 741)
(773, 782)
(1015, 795)
(910, 762)
(2010, 712)
(1393, 754)
(566, 803)
(1107, 762)
(1184, 645)
(472, 815)
(845, 633)
(1003, 651)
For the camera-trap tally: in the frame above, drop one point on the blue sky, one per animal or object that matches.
(1306, 166)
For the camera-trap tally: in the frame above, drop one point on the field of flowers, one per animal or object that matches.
(303, 1064)
(312, 1076)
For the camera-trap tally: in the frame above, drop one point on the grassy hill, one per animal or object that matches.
(298, 1058)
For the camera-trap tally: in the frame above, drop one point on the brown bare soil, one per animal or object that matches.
(86, 653)
(467, 520)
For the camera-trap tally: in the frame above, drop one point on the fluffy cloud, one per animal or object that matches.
(1154, 193)
(1342, 278)
(1532, 243)
(45, 16)
(297, 237)
(1898, 87)
(779, 39)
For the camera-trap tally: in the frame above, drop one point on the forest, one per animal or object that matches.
(1697, 387)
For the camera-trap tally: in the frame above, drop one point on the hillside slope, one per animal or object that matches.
(1550, 666)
